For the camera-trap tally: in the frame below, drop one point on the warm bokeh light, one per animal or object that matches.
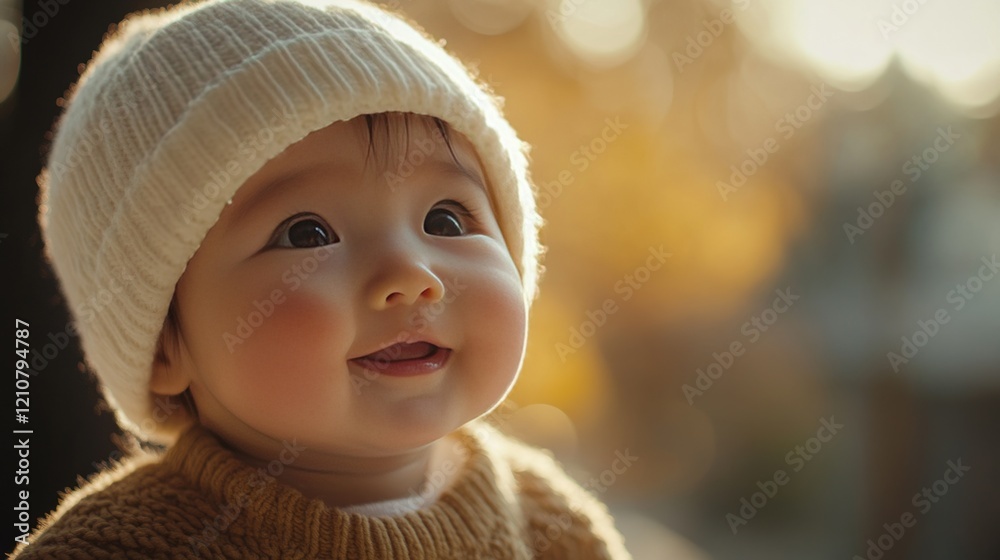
(833, 36)
(602, 33)
(491, 17)
(541, 424)
(950, 46)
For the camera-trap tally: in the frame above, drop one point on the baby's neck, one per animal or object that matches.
(341, 481)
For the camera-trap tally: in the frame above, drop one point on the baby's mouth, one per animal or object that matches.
(405, 359)
(401, 351)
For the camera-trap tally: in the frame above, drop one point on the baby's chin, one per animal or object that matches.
(415, 433)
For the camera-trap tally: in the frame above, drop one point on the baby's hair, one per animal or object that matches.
(379, 131)
(383, 121)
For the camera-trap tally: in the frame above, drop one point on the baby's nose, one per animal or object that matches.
(402, 280)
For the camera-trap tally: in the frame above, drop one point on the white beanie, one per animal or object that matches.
(180, 107)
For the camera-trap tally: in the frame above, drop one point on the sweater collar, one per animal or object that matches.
(477, 515)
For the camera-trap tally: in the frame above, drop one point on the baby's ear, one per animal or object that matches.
(168, 378)
(170, 375)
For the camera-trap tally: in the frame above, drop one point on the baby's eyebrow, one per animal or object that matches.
(451, 167)
(262, 194)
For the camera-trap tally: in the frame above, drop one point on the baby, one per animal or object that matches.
(325, 244)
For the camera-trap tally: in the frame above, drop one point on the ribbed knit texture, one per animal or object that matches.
(510, 501)
(180, 107)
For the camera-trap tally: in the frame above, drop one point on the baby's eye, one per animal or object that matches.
(444, 221)
(304, 231)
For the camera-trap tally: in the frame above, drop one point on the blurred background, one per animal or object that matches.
(770, 321)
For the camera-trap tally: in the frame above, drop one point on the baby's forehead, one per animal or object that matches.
(396, 151)
(393, 145)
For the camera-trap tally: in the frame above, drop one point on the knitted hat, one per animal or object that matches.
(180, 107)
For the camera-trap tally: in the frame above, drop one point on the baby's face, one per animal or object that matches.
(322, 261)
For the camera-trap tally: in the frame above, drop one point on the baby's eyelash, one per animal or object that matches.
(461, 208)
(280, 229)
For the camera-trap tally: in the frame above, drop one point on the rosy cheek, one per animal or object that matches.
(291, 359)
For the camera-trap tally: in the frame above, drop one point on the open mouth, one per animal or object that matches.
(401, 351)
(405, 359)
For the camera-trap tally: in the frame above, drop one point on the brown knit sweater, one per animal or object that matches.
(198, 501)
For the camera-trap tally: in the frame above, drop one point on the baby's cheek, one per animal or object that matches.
(499, 341)
(291, 361)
